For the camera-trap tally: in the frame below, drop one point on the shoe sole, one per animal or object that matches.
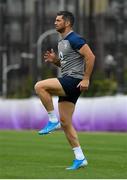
(83, 166)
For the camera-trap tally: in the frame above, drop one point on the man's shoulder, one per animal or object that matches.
(75, 40)
(73, 36)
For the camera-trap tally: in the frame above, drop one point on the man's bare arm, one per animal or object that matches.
(89, 59)
(57, 62)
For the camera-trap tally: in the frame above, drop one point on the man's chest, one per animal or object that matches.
(64, 47)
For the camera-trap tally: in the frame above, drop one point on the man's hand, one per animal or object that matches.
(50, 56)
(84, 85)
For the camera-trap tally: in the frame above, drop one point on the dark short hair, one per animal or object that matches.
(67, 16)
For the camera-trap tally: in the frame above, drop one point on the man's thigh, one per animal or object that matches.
(53, 86)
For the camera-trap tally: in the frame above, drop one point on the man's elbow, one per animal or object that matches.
(93, 58)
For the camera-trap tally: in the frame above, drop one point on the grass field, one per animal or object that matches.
(25, 154)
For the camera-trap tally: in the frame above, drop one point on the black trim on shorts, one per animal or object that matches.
(69, 85)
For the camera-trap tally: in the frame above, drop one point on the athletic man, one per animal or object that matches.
(76, 61)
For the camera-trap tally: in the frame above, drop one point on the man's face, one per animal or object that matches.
(60, 24)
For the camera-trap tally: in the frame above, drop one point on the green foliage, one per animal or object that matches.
(24, 89)
(101, 86)
(125, 80)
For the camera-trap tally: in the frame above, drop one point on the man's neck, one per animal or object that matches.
(63, 34)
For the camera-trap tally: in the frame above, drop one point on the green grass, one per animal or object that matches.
(25, 154)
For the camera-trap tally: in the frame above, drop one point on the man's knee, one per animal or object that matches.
(39, 86)
(64, 123)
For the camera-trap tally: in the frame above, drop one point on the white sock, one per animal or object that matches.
(52, 116)
(78, 153)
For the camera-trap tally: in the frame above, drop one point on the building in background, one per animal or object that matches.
(23, 21)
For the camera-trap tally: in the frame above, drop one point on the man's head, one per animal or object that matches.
(64, 20)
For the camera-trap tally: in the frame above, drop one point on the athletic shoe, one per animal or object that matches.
(78, 164)
(49, 128)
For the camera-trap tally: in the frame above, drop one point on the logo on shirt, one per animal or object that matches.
(61, 55)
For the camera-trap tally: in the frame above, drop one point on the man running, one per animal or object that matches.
(76, 61)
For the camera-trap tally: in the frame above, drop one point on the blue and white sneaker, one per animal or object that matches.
(78, 164)
(49, 128)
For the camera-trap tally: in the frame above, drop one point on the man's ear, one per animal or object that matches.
(67, 23)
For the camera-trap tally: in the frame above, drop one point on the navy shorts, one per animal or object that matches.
(69, 85)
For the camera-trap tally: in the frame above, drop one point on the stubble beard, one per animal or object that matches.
(62, 30)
